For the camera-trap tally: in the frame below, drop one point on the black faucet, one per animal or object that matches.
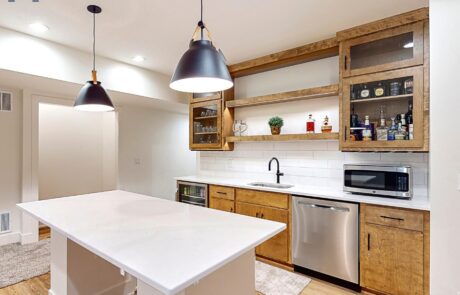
(278, 173)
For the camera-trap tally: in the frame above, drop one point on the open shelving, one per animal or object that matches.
(285, 137)
(302, 94)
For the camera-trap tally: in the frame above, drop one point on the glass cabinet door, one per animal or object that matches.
(200, 97)
(390, 49)
(206, 124)
(383, 111)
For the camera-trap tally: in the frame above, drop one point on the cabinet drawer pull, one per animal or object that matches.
(257, 214)
(231, 209)
(222, 193)
(391, 218)
(345, 62)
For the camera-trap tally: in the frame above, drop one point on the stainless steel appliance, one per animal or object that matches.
(192, 193)
(325, 237)
(381, 180)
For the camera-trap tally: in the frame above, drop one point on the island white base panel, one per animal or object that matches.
(75, 270)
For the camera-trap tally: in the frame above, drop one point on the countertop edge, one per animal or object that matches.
(416, 203)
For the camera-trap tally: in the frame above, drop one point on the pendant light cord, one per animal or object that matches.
(201, 24)
(94, 42)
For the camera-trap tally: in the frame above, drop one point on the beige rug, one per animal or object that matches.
(272, 280)
(21, 262)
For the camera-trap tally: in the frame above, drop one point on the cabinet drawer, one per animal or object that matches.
(221, 192)
(400, 218)
(222, 204)
(263, 198)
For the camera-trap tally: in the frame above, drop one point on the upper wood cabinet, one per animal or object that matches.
(395, 48)
(210, 121)
(393, 103)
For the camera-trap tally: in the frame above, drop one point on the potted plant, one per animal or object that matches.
(275, 124)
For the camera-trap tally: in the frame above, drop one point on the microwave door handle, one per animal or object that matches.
(332, 208)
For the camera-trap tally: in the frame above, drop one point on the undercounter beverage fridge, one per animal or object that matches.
(192, 193)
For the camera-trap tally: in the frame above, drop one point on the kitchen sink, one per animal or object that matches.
(270, 184)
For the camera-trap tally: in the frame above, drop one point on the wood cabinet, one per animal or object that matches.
(222, 198)
(392, 103)
(384, 68)
(394, 250)
(210, 121)
(270, 206)
(390, 49)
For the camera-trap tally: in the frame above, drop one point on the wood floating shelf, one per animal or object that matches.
(302, 94)
(381, 98)
(285, 137)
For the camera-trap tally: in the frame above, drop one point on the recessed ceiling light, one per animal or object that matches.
(409, 45)
(38, 27)
(138, 58)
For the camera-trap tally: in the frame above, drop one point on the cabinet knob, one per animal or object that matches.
(257, 214)
(231, 209)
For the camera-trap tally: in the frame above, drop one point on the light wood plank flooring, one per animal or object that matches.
(40, 285)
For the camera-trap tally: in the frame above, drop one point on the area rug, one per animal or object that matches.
(21, 262)
(272, 280)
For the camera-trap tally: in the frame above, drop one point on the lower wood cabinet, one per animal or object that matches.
(222, 198)
(394, 250)
(222, 204)
(249, 203)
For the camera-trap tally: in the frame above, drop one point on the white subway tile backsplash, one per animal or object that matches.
(311, 163)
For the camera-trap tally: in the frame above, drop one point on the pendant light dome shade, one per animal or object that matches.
(92, 97)
(201, 69)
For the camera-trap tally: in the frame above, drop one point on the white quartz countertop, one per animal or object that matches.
(166, 244)
(417, 202)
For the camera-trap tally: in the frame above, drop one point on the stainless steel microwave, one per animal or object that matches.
(379, 180)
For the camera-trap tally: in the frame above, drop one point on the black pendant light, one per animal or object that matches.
(202, 68)
(92, 96)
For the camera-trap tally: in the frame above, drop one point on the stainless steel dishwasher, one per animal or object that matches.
(326, 240)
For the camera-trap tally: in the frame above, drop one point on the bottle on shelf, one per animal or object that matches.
(367, 132)
(365, 92)
(379, 90)
(382, 130)
(401, 133)
(410, 122)
(393, 129)
(326, 127)
(409, 86)
(354, 119)
(310, 124)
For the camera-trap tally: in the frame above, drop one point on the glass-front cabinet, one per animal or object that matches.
(384, 111)
(396, 48)
(206, 124)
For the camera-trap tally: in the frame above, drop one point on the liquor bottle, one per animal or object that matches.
(382, 130)
(401, 134)
(379, 90)
(310, 124)
(364, 93)
(409, 86)
(410, 122)
(393, 129)
(354, 119)
(367, 132)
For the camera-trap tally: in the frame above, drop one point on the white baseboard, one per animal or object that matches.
(28, 238)
(9, 238)
(50, 292)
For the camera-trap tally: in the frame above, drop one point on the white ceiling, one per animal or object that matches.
(160, 30)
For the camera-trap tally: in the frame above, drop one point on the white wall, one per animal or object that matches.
(31, 55)
(309, 163)
(445, 147)
(77, 151)
(153, 148)
(10, 164)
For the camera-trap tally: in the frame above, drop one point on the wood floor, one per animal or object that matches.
(40, 285)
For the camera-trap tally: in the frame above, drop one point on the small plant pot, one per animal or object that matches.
(276, 130)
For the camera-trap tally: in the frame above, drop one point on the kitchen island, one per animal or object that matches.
(111, 242)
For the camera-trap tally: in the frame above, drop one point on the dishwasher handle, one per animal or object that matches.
(332, 208)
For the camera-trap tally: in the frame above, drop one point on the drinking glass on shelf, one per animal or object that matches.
(203, 113)
(236, 128)
(243, 127)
